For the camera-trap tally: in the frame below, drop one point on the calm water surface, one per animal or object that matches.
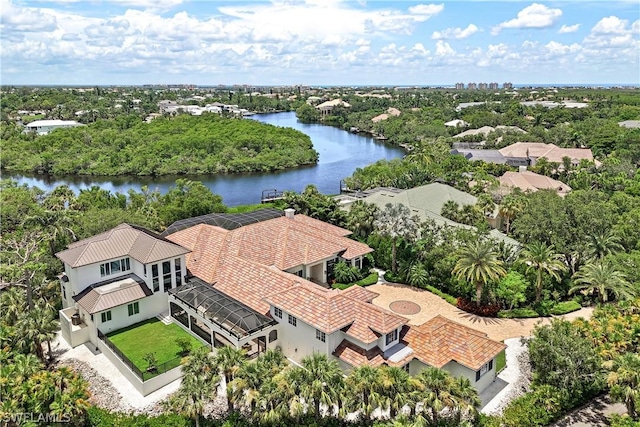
(341, 153)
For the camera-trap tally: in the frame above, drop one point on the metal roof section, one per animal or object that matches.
(112, 293)
(226, 221)
(121, 241)
(230, 314)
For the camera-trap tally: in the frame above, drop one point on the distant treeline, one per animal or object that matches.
(206, 144)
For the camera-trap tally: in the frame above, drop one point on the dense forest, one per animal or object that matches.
(206, 144)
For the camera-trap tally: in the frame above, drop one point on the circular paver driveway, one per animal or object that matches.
(405, 307)
(432, 305)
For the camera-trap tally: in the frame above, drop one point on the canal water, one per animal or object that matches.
(341, 153)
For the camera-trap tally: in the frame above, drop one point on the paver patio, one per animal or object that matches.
(432, 305)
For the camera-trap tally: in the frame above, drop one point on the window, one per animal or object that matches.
(133, 308)
(166, 275)
(105, 316)
(64, 292)
(155, 277)
(278, 312)
(299, 273)
(293, 321)
(115, 267)
(144, 269)
(178, 267)
(273, 335)
(484, 369)
(321, 336)
(392, 336)
(358, 263)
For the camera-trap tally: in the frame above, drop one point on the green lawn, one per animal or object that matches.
(151, 336)
(501, 361)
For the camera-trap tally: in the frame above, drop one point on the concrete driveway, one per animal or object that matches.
(432, 305)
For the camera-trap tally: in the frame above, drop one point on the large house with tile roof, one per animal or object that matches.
(257, 285)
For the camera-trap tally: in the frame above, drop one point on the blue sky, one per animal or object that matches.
(319, 42)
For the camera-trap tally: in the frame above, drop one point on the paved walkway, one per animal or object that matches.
(432, 305)
(593, 414)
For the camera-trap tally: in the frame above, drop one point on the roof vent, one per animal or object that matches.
(289, 213)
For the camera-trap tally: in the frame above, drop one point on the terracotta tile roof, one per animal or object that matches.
(111, 294)
(361, 294)
(354, 355)
(331, 310)
(123, 240)
(531, 181)
(440, 340)
(282, 242)
(552, 152)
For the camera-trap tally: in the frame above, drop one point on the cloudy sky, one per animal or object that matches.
(319, 42)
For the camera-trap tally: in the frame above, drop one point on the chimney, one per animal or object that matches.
(289, 213)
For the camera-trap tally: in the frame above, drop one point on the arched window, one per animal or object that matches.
(273, 335)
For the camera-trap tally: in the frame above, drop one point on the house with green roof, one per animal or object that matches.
(425, 202)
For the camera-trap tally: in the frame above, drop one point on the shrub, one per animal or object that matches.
(371, 279)
(518, 313)
(390, 276)
(448, 298)
(151, 360)
(565, 307)
(486, 310)
(185, 345)
(345, 273)
(535, 409)
(544, 307)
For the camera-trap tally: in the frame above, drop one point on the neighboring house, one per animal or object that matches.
(425, 201)
(486, 130)
(327, 107)
(384, 116)
(241, 280)
(457, 123)
(533, 151)
(531, 181)
(43, 127)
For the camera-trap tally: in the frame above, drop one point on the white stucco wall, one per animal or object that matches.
(149, 307)
(458, 370)
(298, 341)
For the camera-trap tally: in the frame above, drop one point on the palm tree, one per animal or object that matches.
(363, 385)
(466, 396)
(436, 393)
(37, 326)
(247, 383)
(396, 222)
(13, 305)
(624, 381)
(322, 382)
(602, 278)
(510, 207)
(417, 275)
(603, 243)
(229, 360)
(450, 210)
(478, 263)
(539, 257)
(361, 218)
(199, 382)
(396, 389)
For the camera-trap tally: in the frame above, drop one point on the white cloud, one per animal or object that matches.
(568, 29)
(27, 19)
(444, 49)
(426, 10)
(534, 16)
(455, 33)
(610, 25)
(613, 32)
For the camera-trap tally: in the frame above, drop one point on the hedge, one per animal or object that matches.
(371, 279)
(448, 298)
(518, 313)
(565, 307)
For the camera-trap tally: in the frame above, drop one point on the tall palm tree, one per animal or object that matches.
(510, 207)
(603, 243)
(478, 263)
(436, 394)
(13, 304)
(322, 382)
(466, 397)
(363, 384)
(396, 389)
(247, 383)
(230, 360)
(361, 218)
(624, 381)
(539, 257)
(602, 278)
(199, 382)
(396, 222)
